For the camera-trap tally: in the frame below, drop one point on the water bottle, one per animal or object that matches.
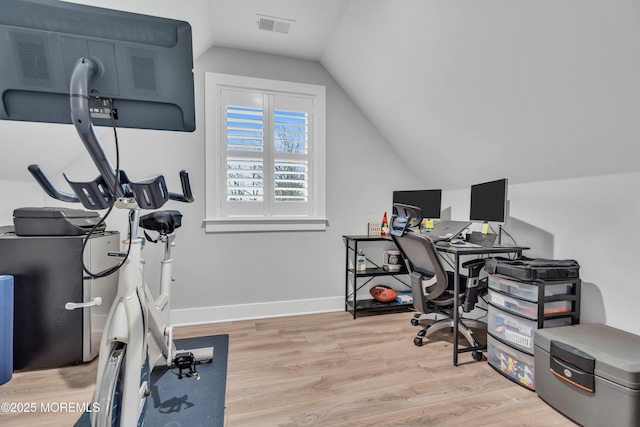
(361, 261)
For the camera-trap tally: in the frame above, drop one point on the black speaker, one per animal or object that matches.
(31, 54)
(143, 70)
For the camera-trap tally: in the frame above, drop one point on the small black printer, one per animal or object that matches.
(55, 221)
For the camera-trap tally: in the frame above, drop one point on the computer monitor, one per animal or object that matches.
(489, 202)
(429, 201)
(144, 65)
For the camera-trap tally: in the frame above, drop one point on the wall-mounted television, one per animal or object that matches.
(429, 201)
(489, 202)
(144, 65)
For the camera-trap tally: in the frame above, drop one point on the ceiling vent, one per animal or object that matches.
(274, 25)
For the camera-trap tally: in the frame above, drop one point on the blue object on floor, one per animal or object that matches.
(188, 402)
(6, 328)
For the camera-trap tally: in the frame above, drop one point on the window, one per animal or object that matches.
(265, 154)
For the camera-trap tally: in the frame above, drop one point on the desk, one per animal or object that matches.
(459, 251)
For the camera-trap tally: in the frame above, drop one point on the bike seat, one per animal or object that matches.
(162, 221)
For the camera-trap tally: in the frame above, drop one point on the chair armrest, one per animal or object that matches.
(473, 262)
(474, 266)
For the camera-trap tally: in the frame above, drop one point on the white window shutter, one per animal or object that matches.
(268, 172)
(243, 153)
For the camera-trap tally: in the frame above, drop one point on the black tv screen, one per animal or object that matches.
(429, 201)
(489, 202)
(145, 65)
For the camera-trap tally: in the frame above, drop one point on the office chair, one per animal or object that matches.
(432, 286)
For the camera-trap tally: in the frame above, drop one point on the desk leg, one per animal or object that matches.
(355, 278)
(456, 304)
(346, 275)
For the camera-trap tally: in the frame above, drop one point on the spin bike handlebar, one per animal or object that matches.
(130, 190)
(109, 185)
(49, 188)
(187, 195)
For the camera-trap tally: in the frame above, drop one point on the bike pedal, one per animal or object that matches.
(186, 361)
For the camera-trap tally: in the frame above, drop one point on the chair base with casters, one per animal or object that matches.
(440, 310)
(444, 321)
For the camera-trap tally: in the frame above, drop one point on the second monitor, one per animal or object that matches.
(429, 201)
(489, 202)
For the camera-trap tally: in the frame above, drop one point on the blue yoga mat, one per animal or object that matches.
(6, 328)
(188, 402)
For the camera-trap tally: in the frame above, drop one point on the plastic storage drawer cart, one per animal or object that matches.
(517, 309)
(590, 373)
(514, 364)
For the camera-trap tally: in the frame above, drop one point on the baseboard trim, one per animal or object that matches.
(229, 313)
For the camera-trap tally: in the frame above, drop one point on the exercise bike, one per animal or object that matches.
(135, 338)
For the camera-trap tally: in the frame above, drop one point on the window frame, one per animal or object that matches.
(215, 189)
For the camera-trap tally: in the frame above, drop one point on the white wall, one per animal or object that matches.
(592, 220)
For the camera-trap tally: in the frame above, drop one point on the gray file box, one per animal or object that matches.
(590, 373)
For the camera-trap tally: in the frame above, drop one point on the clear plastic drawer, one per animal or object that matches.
(527, 290)
(517, 331)
(525, 308)
(514, 364)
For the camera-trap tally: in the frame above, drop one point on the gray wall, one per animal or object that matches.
(258, 274)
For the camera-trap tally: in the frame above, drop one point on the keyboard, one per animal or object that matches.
(463, 244)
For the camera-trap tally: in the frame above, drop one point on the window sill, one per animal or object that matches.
(249, 224)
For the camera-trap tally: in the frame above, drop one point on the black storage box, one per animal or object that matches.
(529, 269)
(54, 221)
(590, 373)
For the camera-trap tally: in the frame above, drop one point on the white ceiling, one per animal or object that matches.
(464, 91)
(471, 90)
(232, 23)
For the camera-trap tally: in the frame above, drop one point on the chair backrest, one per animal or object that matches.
(421, 256)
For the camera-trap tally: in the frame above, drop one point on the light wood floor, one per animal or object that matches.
(324, 370)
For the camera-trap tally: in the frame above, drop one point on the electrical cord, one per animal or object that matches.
(114, 269)
(510, 256)
(486, 311)
(509, 235)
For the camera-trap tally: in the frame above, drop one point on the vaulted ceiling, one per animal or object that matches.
(464, 91)
(470, 90)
